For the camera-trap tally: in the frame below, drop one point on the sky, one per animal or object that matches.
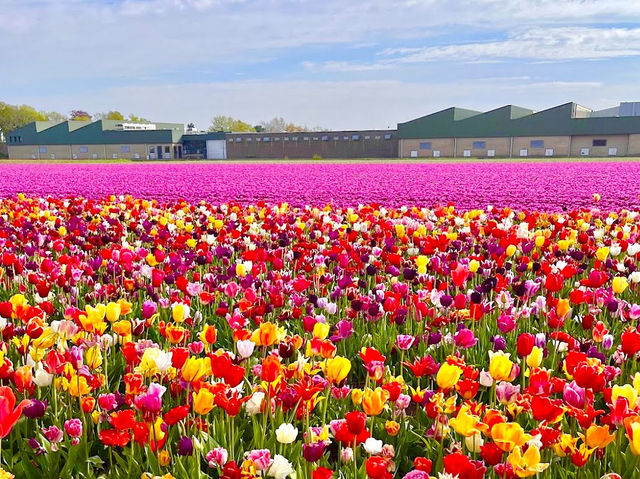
(339, 64)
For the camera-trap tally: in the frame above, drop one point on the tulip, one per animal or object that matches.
(465, 423)
(627, 391)
(619, 284)
(509, 435)
(356, 422)
(373, 401)
(527, 464)
(286, 433)
(598, 436)
(203, 401)
(337, 369)
(500, 366)
(448, 375)
(217, 457)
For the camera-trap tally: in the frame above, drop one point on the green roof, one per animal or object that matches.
(95, 133)
(511, 120)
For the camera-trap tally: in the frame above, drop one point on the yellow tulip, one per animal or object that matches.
(527, 464)
(602, 253)
(619, 284)
(266, 334)
(373, 401)
(193, 369)
(356, 396)
(93, 357)
(321, 330)
(465, 423)
(540, 241)
(632, 425)
(336, 369)
(113, 311)
(78, 386)
(535, 358)
(500, 366)
(474, 265)
(509, 435)
(448, 375)
(421, 263)
(511, 250)
(203, 402)
(627, 391)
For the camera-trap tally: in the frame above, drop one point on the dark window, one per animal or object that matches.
(537, 144)
(167, 149)
(599, 143)
(152, 149)
(479, 145)
(425, 146)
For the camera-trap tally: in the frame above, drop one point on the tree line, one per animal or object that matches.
(15, 116)
(277, 124)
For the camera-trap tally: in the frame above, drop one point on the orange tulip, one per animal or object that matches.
(598, 436)
(373, 401)
(509, 435)
(266, 334)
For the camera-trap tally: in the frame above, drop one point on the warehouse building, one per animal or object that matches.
(506, 132)
(512, 131)
(100, 139)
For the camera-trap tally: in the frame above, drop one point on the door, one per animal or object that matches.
(159, 150)
(216, 149)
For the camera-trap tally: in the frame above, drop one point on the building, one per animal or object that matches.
(507, 132)
(512, 131)
(325, 144)
(100, 139)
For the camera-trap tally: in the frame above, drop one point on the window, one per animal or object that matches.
(258, 139)
(239, 139)
(152, 149)
(127, 149)
(294, 138)
(377, 137)
(479, 145)
(436, 153)
(249, 139)
(414, 154)
(42, 149)
(548, 152)
(355, 137)
(286, 138)
(367, 137)
(276, 138)
(425, 145)
(387, 136)
(336, 138)
(537, 144)
(345, 138)
(466, 153)
(524, 152)
(491, 153)
(305, 138)
(325, 137)
(266, 138)
(167, 149)
(230, 140)
(599, 143)
(83, 149)
(315, 138)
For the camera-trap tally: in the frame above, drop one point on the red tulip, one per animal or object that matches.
(356, 422)
(8, 414)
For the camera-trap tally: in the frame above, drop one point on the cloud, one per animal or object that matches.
(550, 44)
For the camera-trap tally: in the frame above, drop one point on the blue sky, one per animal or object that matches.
(330, 63)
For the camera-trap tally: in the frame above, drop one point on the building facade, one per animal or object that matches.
(568, 130)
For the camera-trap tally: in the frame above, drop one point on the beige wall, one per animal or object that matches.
(501, 146)
(634, 145)
(444, 145)
(559, 144)
(65, 152)
(621, 142)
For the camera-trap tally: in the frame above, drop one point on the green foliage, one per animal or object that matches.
(317, 157)
(110, 115)
(229, 124)
(79, 115)
(15, 116)
(136, 119)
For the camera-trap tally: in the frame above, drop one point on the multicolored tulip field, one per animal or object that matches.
(192, 339)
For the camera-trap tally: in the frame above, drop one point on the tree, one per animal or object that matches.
(110, 115)
(280, 125)
(15, 116)
(229, 124)
(136, 119)
(54, 116)
(79, 115)
(259, 128)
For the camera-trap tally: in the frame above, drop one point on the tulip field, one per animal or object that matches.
(348, 321)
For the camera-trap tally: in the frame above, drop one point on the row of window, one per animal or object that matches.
(481, 145)
(267, 139)
(15, 139)
(85, 149)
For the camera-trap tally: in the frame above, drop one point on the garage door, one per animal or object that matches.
(216, 149)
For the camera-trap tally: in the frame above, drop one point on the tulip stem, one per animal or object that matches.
(355, 465)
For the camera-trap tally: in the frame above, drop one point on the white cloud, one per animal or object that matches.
(551, 44)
